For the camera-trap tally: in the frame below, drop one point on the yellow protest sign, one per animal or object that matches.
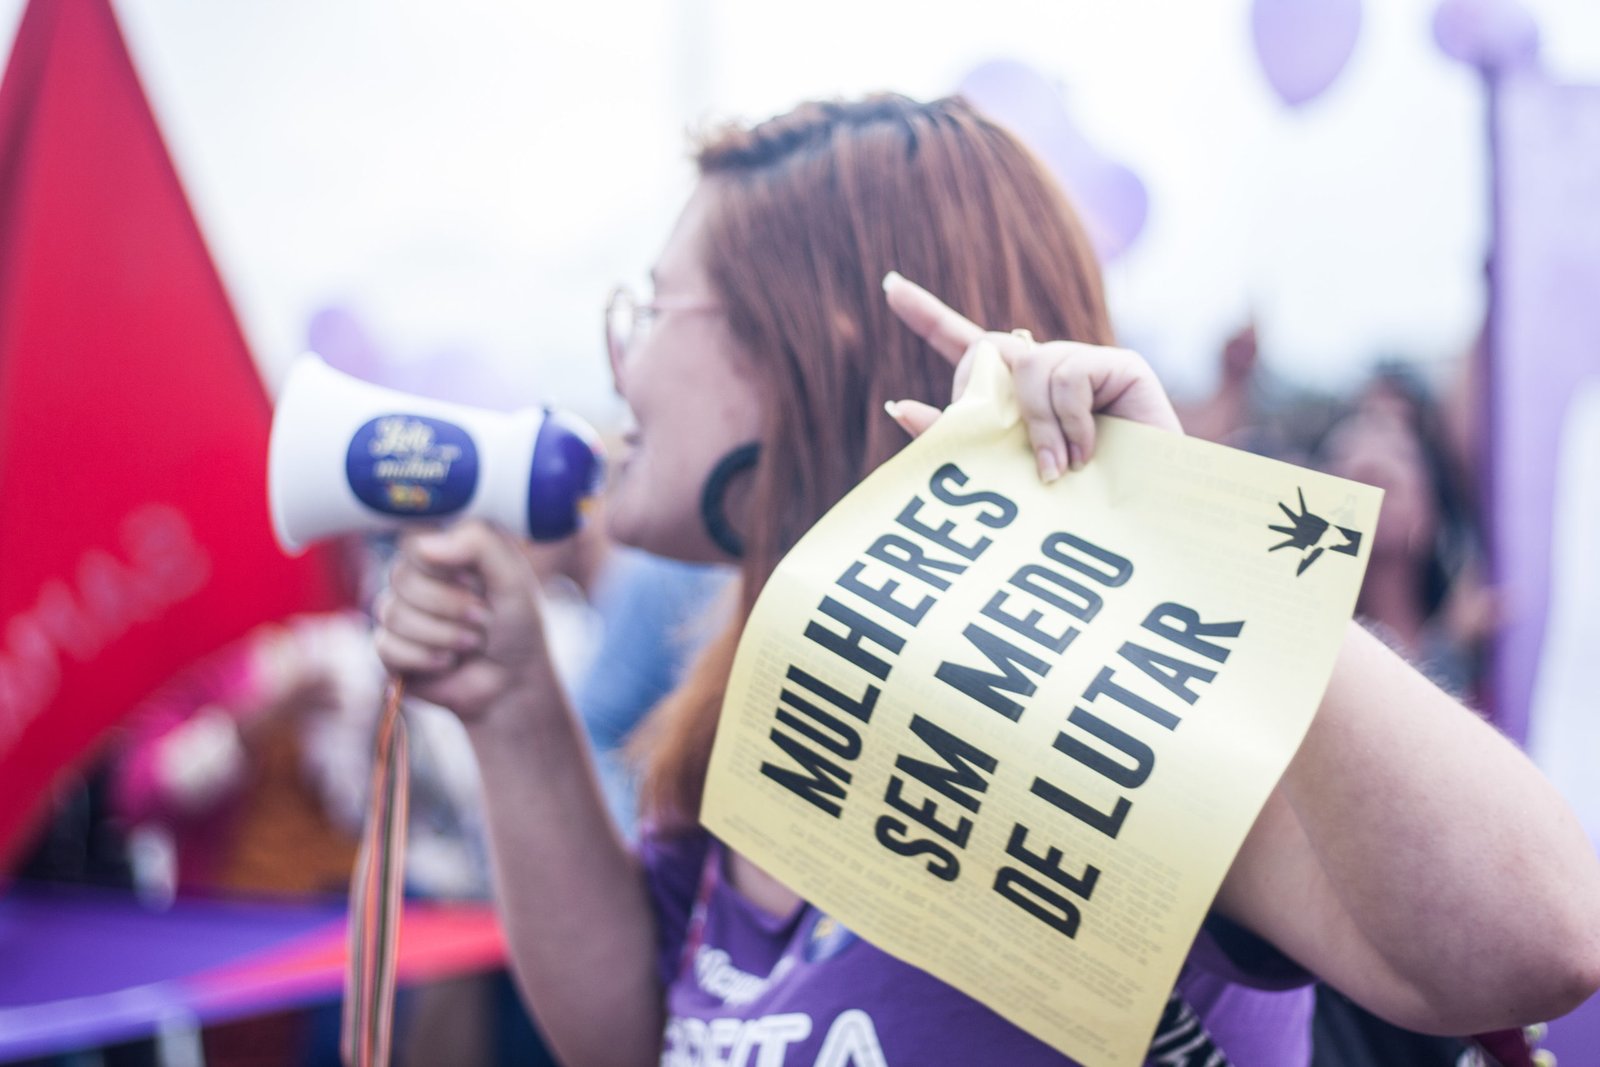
(1014, 733)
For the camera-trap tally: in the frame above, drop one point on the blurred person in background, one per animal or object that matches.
(1254, 409)
(1234, 406)
(217, 781)
(655, 615)
(1423, 591)
(79, 841)
(215, 778)
(758, 372)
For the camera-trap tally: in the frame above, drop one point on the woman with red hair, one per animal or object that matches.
(1409, 856)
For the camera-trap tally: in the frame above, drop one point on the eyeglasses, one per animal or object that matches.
(628, 320)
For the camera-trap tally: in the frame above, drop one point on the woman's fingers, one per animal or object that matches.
(1071, 396)
(461, 618)
(405, 619)
(402, 655)
(425, 624)
(433, 611)
(1032, 370)
(947, 330)
(454, 595)
(913, 416)
(1060, 385)
(474, 554)
(1115, 381)
(1063, 385)
(963, 373)
(449, 595)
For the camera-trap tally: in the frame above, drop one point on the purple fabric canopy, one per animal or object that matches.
(83, 967)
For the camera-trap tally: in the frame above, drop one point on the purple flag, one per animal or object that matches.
(1543, 383)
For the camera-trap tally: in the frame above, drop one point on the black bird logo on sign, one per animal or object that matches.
(1306, 531)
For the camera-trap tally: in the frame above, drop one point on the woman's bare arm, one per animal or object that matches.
(1416, 860)
(461, 620)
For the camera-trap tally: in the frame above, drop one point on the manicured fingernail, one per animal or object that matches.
(1074, 456)
(892, 409)
(1049, 468)
(890, 278)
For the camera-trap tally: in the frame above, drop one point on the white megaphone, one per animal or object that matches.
(347, 456)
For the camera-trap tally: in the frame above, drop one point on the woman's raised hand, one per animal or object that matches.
(461, 618)
(1061, 385)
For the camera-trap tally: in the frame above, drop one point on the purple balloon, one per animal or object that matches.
(337, 334)
(462, 376)
(1120, 207)
(1109, 197)
(1304, 44)
(1491, 35)
(456, 374)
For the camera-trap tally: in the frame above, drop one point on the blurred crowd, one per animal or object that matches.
(1412, 434)
(1424, 592)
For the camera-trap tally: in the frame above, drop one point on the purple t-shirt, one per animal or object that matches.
(757, 990)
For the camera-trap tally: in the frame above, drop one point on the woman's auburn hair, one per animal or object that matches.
(812, 209)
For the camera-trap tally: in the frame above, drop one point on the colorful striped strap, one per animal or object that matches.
(375, 896)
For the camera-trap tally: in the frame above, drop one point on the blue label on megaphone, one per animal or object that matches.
(411, 465)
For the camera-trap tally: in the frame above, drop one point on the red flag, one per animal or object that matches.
(134, 534)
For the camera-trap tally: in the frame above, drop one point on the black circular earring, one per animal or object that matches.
(714, 497)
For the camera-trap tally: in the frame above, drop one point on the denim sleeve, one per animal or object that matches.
(654, 616)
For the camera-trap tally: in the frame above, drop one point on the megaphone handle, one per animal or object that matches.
(367, 1021)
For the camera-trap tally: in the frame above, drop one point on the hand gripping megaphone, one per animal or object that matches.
(347, 456)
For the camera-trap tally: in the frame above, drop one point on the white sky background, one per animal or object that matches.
(473, 176)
